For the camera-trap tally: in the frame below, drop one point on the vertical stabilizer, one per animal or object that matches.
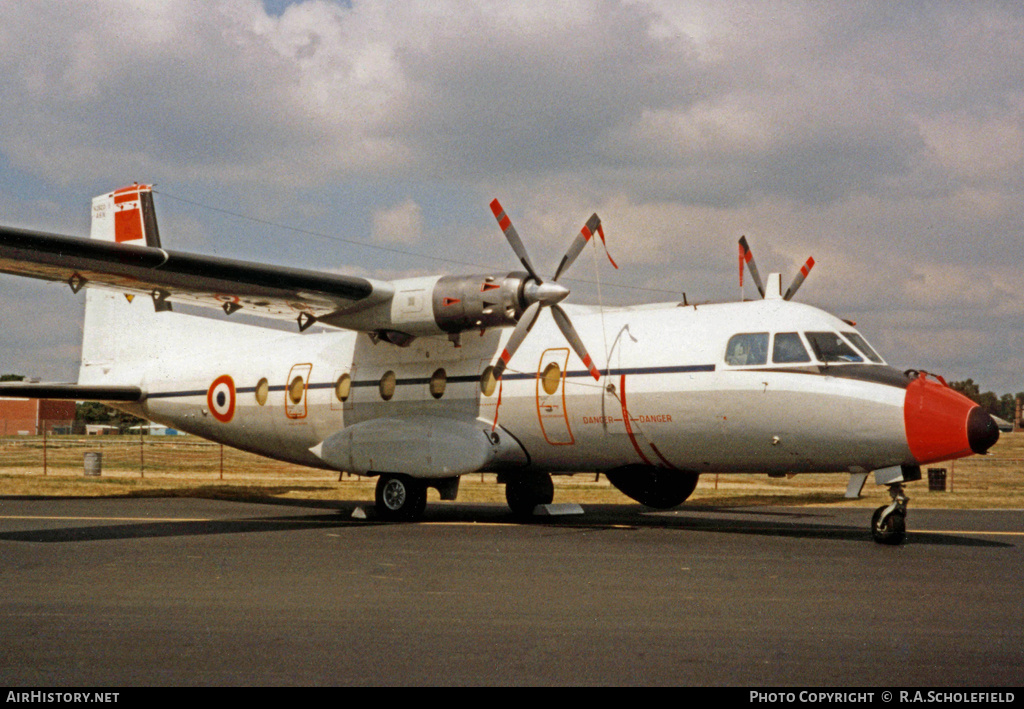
(119, 330)
(126, 216)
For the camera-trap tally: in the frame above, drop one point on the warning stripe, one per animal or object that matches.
(625, 420)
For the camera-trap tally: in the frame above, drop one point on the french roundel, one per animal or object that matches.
(220, 398)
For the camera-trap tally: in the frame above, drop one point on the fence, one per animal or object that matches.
(136, 454)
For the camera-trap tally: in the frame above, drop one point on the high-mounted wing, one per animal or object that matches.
(124, 255)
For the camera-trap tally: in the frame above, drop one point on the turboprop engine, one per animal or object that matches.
(455, 304)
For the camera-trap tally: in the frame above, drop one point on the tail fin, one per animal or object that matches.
(126, 216)
(119, 329)
(123, 335)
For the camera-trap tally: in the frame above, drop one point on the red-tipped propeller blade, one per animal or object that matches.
(586, 233)
(798, 281)
(565, 325)
(748, 258)
(513, 239)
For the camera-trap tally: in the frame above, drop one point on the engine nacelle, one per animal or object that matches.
(654, 487)
(478, 302)
(440, 305)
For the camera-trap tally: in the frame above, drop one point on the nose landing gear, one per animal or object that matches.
(889, 522)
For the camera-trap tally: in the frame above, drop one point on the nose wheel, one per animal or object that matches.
(889, 522)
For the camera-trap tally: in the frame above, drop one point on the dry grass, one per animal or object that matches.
(169, 467)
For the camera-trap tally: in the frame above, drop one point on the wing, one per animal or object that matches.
(206, 281)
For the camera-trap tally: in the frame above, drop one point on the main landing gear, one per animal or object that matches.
(889, 522)
(400, 497)
(524, 491)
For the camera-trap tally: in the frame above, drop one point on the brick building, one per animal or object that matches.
(30, 417)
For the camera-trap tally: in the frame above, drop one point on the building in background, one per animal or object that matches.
(31, 417)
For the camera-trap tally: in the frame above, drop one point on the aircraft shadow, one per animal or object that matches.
(766, 522)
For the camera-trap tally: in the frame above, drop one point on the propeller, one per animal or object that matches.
(540, 294)
(799, 278)
(747, 257)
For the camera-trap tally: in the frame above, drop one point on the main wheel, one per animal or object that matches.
(400, 497)
(891, 530)
(524, 492)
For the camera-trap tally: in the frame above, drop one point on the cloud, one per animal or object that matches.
(402, 223)
(883, 139)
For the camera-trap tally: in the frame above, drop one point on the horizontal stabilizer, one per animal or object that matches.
(70, 392)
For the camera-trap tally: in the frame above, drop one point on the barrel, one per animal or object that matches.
(93, 464)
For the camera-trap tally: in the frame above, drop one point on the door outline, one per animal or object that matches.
(297, 410)
(551, 411)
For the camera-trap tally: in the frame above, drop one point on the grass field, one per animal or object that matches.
(156, 466)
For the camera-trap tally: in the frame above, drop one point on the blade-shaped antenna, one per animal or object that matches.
(798, 281)
(565, 325)
(526, 321)
(748, 258)
(513, 239)
(586, 233)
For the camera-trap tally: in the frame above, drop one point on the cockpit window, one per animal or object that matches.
(747, 349)
(830, 347)
(861, 344)
(788, 348)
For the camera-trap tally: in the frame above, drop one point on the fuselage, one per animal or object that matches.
(767, 386)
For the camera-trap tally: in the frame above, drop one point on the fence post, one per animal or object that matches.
(44, 447)
(142, 455)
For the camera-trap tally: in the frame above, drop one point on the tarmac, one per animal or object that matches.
(120, 592)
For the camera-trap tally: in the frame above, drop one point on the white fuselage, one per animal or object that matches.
(667, 396)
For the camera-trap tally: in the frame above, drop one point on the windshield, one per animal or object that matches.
(830, 347)
(861, 344)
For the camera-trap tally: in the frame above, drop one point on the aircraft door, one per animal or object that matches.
(296, 390)
(551, 410)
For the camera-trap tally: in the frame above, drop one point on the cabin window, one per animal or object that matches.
(387, 385)
(343, 387)
(488, 382)
(747, 349)
(789, 349)
(438, 382)
(550, 378)
(262, 391)
(861, 344)
(830, 347)
(296, 390)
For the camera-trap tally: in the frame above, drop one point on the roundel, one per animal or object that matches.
(221, 398)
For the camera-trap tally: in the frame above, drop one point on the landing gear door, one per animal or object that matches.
(551, 412)
(296, 390)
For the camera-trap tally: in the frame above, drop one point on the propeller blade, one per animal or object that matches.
(798, 281)
(513, 239)
(523, 327)
(748, 258)
(565, 325)
(586, 233)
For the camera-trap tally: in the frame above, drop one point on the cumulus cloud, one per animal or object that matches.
(883, 139)
(402, 223)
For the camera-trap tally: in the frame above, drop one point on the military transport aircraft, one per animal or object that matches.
(419, 381)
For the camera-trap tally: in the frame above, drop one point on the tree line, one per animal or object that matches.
(1004, 406)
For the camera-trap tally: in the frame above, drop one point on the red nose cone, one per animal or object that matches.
(943, 424)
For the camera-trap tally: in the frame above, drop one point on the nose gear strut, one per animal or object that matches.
(889, 522)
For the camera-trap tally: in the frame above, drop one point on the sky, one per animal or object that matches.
(884, 139)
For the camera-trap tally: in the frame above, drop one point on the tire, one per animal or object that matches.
(525, 492)
(400, 497)
(892, 531)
